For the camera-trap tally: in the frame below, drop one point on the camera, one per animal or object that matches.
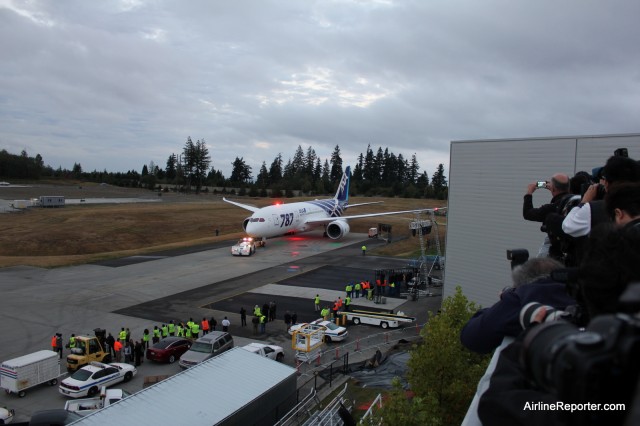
(597, 365)
(517, 256)
(541, 184)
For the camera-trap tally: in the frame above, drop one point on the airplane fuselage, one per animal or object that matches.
(282, 219)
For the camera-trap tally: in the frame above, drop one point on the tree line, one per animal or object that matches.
(379, 173)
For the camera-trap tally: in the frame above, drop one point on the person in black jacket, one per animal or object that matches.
(558, 185)
(531, 283)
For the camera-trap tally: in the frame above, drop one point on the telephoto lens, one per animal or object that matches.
(529, 312)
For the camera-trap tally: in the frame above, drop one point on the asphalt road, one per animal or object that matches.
(142, 291)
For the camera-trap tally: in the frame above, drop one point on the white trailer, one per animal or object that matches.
(51, 201)
(381, 319)
(22, 373)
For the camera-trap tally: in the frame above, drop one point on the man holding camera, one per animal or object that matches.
(558, 185)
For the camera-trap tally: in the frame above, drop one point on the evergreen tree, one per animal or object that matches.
(336, 165)
(443, 374)
(275, 171)
(263, 177)
(439, 183)
(241, 172)
(171, 167)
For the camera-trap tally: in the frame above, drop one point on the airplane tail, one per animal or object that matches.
(342, 195)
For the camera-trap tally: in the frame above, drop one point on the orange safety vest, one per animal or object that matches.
(53, 342)
(117, 346)
(205, 325)
(339, 303)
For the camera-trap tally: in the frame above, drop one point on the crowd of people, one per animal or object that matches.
(592, 235)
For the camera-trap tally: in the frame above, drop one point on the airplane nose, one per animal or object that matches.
(251, 229)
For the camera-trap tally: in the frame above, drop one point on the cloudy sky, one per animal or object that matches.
(116, 84)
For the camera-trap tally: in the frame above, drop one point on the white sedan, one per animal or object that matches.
(244, 247)
(332, 332)
(88, 380)
(273, 352)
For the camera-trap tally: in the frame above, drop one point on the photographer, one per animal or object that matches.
(591, 211)
(557, 363)
(531, 283)
(623, 204)
(559, 188)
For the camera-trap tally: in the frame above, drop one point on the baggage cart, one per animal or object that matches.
(19, 374)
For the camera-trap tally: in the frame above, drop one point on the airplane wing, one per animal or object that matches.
(360, 216)
(364, 204)
(244, 206)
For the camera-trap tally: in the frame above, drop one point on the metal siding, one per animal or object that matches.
(487, 182)
(207, 393)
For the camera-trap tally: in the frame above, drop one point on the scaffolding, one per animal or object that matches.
(426, 264)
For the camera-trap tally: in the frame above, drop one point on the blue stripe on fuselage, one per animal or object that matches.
(331, 206)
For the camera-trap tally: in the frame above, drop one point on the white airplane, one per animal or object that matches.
(281, 219)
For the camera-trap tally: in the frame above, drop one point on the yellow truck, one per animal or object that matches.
(88, 348)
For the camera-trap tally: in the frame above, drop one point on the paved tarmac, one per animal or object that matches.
(142, 291)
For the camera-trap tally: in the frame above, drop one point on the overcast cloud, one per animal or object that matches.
(116, 84)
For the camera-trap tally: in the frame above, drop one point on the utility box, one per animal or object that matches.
(51, 201)
(22, 373)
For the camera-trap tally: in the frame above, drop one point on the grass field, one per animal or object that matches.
(79, 234)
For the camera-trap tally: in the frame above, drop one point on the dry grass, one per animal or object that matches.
(79, 234)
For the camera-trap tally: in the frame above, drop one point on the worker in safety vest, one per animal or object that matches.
(316, 302)
(205, 326)
(339, 302)
(187, 332)
(392, 288)
(156, 334)
(357, 289)
(348, 289)
(325, 313)
(263, 324)
(72, 341)
(146, 336)
(117, 347)
(122, 336)
(347, 302)
(256, 311)
(165, 331)
(172, 328)
(180, 330)
(195, 330)
(364, 250)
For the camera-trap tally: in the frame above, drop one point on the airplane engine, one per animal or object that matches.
(245, 222)
(337, 229)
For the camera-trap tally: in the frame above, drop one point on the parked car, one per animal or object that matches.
(88, 380)
(332, 332)
(206, 347)
(244, 247)
(168, 349)
(56, 416)
(268, 351)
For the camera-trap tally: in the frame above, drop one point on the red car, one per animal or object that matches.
(168, 349)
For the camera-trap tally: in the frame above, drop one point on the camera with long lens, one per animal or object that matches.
(597, 365)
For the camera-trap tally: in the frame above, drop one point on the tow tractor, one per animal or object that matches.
(382, 319)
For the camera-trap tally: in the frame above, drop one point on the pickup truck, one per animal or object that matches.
(268, 351)
(89, 405)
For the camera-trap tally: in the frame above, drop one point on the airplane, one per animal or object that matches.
(281, 219)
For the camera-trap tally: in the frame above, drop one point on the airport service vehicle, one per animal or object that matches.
(244, 247)
(281, 219)
(206, 347)
(19, 374)
(268, 351)
(6, 415)
(381, 319)
(86, 406)
(332, 332)
(88, 380)
(87, 350)
(168, 349)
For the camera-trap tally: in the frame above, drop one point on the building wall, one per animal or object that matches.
(487, 183)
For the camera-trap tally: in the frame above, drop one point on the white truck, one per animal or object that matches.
(381, 319)
(89, 405)
(19, 374)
